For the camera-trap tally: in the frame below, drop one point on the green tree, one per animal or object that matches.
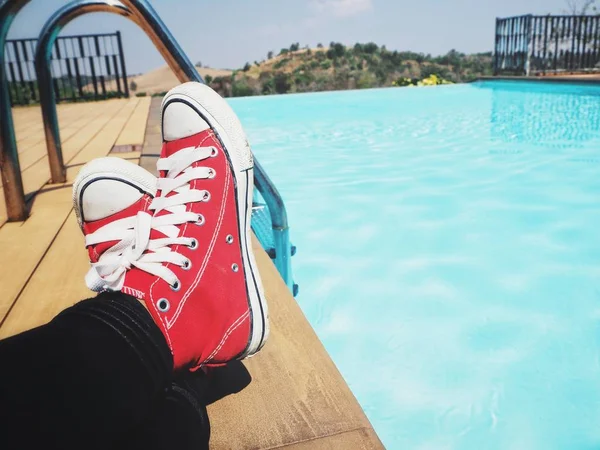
(325, 65)
(246, 67)
(282, 83)
(295, 47)
(370, 48)
(270, 55)
(319, 45)
(133, 86)
(240, 88)
(208, 79)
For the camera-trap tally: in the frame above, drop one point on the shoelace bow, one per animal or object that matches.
(134, 247)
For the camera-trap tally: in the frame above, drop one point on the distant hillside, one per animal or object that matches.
(338, 67)
(162, 79)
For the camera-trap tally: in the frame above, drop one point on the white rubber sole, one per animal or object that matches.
(111, 168)
(224, 122)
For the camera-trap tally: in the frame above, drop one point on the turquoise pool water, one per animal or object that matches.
(449, 254)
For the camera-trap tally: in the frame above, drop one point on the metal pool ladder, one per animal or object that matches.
(272, 212)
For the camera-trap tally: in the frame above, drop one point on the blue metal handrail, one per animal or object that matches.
(43, 54)
(142, 13)
(14, 195)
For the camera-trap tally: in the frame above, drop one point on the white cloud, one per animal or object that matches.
(341, 8)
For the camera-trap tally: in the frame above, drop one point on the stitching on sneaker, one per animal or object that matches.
(211, 246)
(234, 326)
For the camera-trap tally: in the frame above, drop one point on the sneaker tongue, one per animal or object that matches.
(195, 140)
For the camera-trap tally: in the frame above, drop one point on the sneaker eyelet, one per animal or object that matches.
(212, 173)
(163, 305)
(235, 267)
(213, 152)
(201, 220)
(194, 244)
(187, 265)
(206, 196)
(175, 287)
(229, 239)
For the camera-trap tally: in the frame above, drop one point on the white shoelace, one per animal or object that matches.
(133, 233)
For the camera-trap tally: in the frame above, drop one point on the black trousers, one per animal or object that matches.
(100, 375)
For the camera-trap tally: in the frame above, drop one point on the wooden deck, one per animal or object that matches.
(297, 398)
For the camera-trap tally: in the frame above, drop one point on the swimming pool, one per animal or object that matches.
(449, 254)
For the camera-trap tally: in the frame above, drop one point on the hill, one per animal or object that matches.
(162, 79)
(338, 67)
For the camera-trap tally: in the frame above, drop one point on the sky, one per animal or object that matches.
(229, 33)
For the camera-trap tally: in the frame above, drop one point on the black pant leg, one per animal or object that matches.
(179, 422)
(85, 379)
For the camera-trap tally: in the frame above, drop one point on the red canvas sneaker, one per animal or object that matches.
(110, 197)
(198, 276)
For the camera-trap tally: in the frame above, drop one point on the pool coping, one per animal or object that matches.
(571, 79)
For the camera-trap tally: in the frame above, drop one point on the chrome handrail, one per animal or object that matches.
(142, 13)
(14, 195)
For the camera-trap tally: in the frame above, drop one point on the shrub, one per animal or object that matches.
(282, 83)
(208, 79)
(365, 81)
(133, 86)
(140, 94)
(325, 65)
(282, 62)
(241, 88)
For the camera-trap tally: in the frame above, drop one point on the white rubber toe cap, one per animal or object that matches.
(180, 121)
(106, 186)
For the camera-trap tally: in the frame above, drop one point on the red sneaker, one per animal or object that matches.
(110, 196)
(198, 277)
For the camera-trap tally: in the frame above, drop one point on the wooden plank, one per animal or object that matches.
(135, 129)
(57, 283)
(24, 243)
(70, 129)
(29, 122)
(296, 394)
(38, 231)
(361, 439)
(132, 156)
(68, 125)
(38, 174)
(34, 165)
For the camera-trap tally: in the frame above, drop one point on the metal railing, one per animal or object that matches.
(140, 12)
(547, 44)
(83, 67)
(16, 209)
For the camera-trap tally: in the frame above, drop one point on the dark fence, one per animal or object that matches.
(528, 45)
(87, 67)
